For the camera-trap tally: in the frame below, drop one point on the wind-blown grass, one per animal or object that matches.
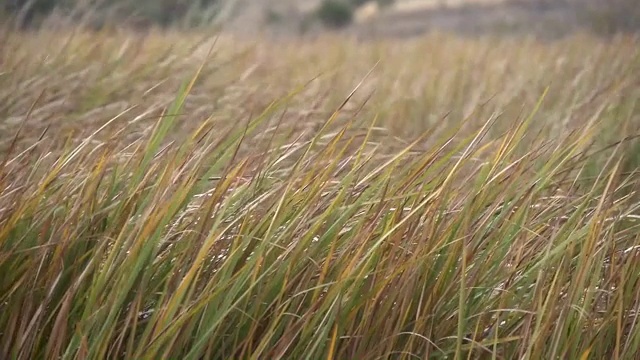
(432, 199)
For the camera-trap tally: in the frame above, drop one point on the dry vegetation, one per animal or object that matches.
(471, 198)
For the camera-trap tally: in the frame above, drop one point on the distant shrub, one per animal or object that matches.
(381, 3)
(335, 13)
(357, 3)
(273, 16)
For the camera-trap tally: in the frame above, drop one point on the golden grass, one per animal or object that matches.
(433, 198)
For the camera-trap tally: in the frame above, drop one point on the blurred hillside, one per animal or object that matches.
(96, 13)
(402, 18)
(362, 18)
(547, 18)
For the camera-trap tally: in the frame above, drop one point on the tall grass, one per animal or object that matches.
(174, 197)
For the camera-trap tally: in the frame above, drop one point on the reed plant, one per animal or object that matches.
(174, 196)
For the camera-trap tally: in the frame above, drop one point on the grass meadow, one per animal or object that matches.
(193, 196)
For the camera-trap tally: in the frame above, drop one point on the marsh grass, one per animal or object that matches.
(168, 196)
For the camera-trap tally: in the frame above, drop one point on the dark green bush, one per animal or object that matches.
(356, 3)
(382, 3)
(335, 13)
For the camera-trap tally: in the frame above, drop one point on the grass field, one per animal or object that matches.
(182, 196)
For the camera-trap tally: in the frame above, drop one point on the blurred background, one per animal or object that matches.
(362, 18)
